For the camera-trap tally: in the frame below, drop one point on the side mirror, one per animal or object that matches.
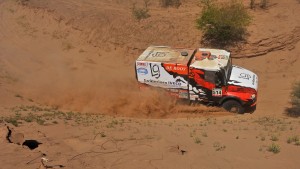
(218, 83)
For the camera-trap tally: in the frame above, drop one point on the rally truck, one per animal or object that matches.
(199, 75)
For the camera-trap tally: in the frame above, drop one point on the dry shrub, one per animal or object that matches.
(252, 4)
(23, 2)
(264, 4)
(223, 24)
(140, 13)
(294, 110)
(170, 3)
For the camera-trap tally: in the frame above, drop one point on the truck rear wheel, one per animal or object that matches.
(233, 106)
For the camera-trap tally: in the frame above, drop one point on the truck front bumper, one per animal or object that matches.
(250, 106)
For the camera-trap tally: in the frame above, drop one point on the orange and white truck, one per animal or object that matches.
(200, 75)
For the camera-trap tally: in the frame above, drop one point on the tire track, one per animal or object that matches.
(267, 45)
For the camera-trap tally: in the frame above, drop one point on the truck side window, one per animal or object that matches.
(210, 76)
(219, 79)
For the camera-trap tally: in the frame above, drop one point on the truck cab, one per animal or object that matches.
(213, 79)
(199, 75)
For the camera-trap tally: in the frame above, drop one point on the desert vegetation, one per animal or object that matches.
(170, 3)
(252, 4)
(50, 116)
(263, 4)
(140, 13)
(223, 24)
(294, 110)
(293, 139)
(119, 136)
(274, 148)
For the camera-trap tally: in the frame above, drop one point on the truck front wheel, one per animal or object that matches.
(233, 106)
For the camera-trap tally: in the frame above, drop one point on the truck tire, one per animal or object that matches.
(233, 106)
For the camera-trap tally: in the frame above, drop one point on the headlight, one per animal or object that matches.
(253, 96)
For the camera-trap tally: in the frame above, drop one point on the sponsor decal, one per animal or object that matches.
(175, 68)
(159, 54)
(245, 76)
(142, 64)
(169, 83)
(142, 71)
(180, 81)
(155, 70)
(253, 80)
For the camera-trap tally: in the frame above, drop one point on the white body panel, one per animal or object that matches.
(243, 77)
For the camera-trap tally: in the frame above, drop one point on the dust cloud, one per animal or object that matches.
(52, 62)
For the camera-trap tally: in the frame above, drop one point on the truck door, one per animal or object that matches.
(205, 85)
(217, 91)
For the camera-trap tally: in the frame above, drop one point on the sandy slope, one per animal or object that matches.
(61, 52)
(78, 55)
(107, 142)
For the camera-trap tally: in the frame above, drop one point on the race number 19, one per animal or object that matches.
(155, 70)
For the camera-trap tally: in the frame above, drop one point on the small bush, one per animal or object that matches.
(223, 24)
(29, 118)
(264, 4)
(197, 140)
(252, 4)
(274, 138)
(19, 96)
(294, 110)
(293, 139)
(218, 146)
(67, 46)
(140, 13)
(274, 148)
(23, 2)
(12, 120)
(103, 134)
(170, 3)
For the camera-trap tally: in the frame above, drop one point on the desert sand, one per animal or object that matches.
(68, 89)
